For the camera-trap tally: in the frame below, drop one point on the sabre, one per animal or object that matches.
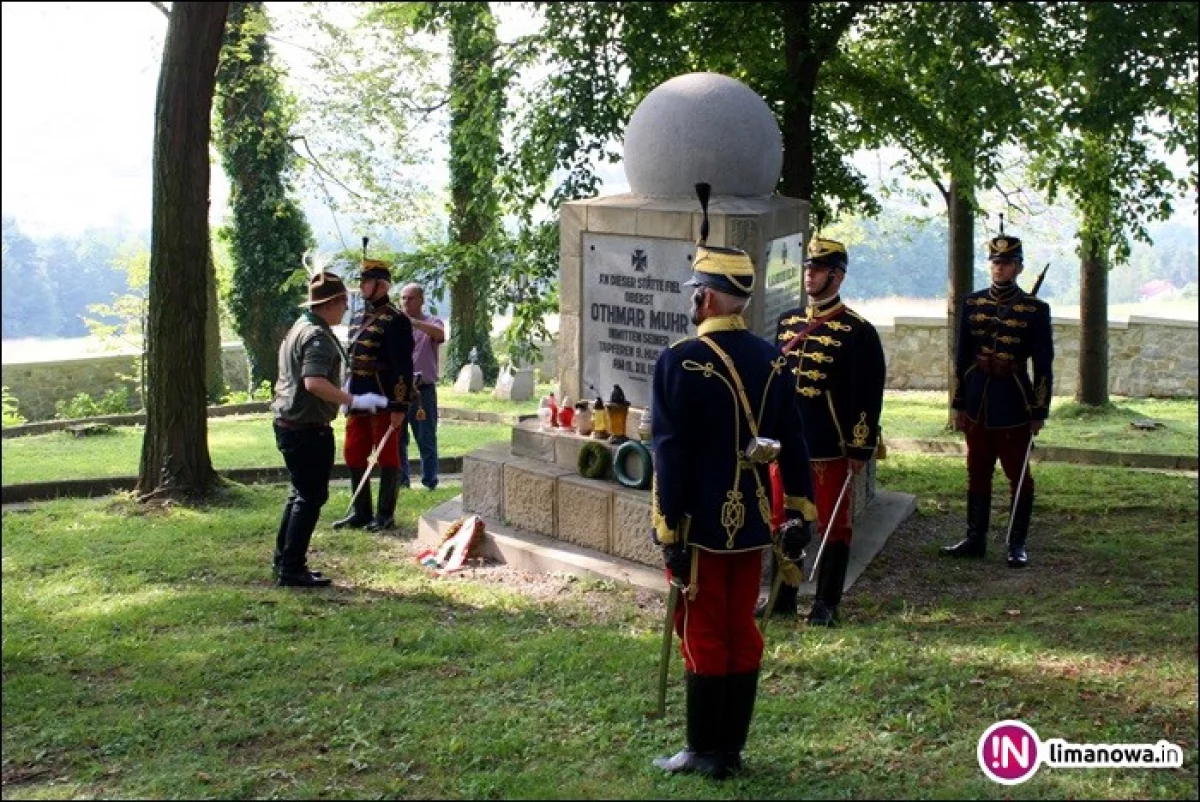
(668, 633)
(1017, 495)
(776, 583)
(374, 458)
(829, 527)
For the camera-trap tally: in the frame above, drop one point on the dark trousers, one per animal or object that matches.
(984, 446)
(308, 454)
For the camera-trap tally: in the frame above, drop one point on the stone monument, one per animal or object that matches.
(514, 384)
(623, 260)
(470, 376)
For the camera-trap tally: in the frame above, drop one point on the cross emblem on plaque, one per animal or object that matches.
(638, 260)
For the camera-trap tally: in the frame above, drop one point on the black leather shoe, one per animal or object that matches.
(304, 580)
(968, 547)
(275, 572)
(687, 761)
(380, 524)
(822, 615)
(1017, 557)
(352, 521)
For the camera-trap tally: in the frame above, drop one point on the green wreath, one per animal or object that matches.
(642, 480)
(594, 460)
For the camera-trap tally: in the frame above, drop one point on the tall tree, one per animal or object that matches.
(175, 460)
(389, 99)
(476, 112)
(267, 232)
(1122, 81)
(951, 132)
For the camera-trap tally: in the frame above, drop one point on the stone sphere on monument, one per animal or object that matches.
(703, 126)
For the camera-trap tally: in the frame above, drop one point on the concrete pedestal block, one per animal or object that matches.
(530, 500)
(631, 527)
(483, 482)
(529, 442)
(585, 512)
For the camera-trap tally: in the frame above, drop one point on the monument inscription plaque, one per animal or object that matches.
(784, 283)
(633, 306)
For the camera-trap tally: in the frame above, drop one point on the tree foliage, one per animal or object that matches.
(267, 232)
(952, 133)
(1113, 88)
(29, 306)
(474, 252)
(122, 323)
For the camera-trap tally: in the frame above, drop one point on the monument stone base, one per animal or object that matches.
(541, 515)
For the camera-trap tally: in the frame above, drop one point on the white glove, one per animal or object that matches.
(368, 402)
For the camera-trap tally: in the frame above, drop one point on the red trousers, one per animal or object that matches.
(363, 433)
(828, 476)
(984, 446)
(717, 629)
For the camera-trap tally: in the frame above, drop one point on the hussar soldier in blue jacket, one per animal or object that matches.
(836, 365)
(997, 402)
(722, 408)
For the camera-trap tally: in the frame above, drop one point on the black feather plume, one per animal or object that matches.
(702, 192)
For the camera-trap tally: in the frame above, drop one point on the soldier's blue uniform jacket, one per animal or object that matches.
(1000, 331)
(706, 390)
(381, 346)
(837, 370)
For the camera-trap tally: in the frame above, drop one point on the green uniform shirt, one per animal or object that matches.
(309, 349)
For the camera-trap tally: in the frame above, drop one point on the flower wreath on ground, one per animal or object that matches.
(463, 541)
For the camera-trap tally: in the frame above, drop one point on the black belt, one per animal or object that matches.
(294, 426)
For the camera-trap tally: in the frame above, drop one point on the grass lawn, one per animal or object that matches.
(923, 414)
(483, 402)
(146, 655)
(241, 441)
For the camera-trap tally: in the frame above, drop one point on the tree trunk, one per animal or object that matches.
(476, 105)
(175, 460)
(213, 369)
(960, 271)
(1093, 325)
(802, 68)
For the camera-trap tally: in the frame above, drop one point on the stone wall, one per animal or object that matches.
(38, 386)
(1148, 357)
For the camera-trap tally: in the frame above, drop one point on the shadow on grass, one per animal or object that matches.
(149, 656)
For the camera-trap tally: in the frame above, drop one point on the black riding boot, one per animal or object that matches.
(389, 486)
(705, 733)
(785, 602)
(293, 560)
(830, 579)
(979, 511)
(740, 692)
(1017, 556)
(361, 515)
